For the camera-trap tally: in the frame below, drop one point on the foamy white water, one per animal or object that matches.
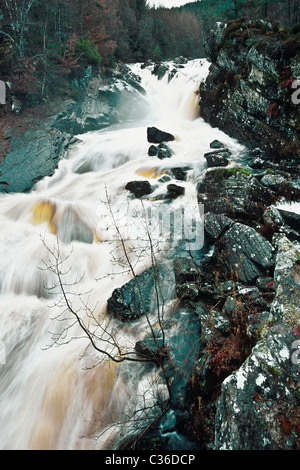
(63, 395)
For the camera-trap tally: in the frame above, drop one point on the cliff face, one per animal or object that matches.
(251, 91)
(250, 95)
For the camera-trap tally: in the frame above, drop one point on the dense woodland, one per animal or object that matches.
(43, 43)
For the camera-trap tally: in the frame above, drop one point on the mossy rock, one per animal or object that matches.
(220, 174)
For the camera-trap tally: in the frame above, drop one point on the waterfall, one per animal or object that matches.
(56, 390)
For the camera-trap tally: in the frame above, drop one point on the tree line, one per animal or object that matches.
(43, 42)
(210, 11)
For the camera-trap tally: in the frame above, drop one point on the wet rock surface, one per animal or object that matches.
(248, 91)
(33, 147)
(31, 156)
(231, 347)
(157, 136)
(139, 188)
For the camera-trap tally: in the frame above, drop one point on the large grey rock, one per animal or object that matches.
(233, 192)
(241, 94)
(106, 100)
(258, 408)
(32, 156)
(142, 295)
(216, 224)
(102, 105)
(286, 305)
(258, 405)
(246, 254)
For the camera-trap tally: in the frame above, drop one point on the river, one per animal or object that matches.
(56, 391)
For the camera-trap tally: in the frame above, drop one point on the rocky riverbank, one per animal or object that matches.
(243, 393)
(231, 359)
(242, 303)
(34, 138)
(251, 91)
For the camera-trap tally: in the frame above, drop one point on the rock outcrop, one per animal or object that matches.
(250, 88)
(106, 100)
(259, 403)
(34, 142)
(32, 155)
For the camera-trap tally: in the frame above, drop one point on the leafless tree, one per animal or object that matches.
(104, 333)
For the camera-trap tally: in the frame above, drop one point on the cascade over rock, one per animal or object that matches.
(223, 306)
(35, 152)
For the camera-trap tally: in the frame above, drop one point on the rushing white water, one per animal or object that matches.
(58, 393)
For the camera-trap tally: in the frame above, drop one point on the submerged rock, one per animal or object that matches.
(179, 173)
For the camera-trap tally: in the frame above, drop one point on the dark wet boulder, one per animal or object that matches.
(216, 224)
(216, 144)
(291, 218)
(160, 151)
(152, 349)
(174, 190)
(135, 298)
(179, 173)
(156, 136)
(217, 158)
(185, 270)
(188, 291)
(245, 254)
(275, 222)
(139, 188)
(160, 70)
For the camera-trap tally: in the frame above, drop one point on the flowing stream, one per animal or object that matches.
(56, 391)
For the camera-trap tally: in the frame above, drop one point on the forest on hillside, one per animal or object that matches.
(43, 43)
